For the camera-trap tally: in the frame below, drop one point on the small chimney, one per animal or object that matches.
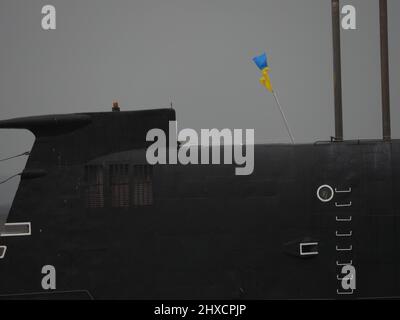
(115, 106)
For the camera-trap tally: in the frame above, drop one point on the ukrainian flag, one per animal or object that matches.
(262, 63)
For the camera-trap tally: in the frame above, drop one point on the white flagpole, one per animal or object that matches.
(283, 116)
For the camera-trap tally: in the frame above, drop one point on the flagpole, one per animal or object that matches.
(265, 80)
(283, 116)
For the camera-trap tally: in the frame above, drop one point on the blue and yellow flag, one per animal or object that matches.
(262, 63)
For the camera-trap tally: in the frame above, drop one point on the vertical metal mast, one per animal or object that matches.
(337, 70)
(383, 15)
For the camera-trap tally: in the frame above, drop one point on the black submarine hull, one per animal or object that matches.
(205, 233)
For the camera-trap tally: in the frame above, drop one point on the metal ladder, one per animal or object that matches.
(344, 244)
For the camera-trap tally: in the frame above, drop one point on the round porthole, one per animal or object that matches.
(325, 193)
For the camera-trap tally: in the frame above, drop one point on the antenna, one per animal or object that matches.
(337, 70)
(383, 21)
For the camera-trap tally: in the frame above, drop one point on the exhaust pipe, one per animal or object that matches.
(337, 70)
(383, 21)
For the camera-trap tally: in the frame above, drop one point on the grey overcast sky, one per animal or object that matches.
(197, 53)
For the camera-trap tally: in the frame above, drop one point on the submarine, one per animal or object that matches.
(92, 219)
